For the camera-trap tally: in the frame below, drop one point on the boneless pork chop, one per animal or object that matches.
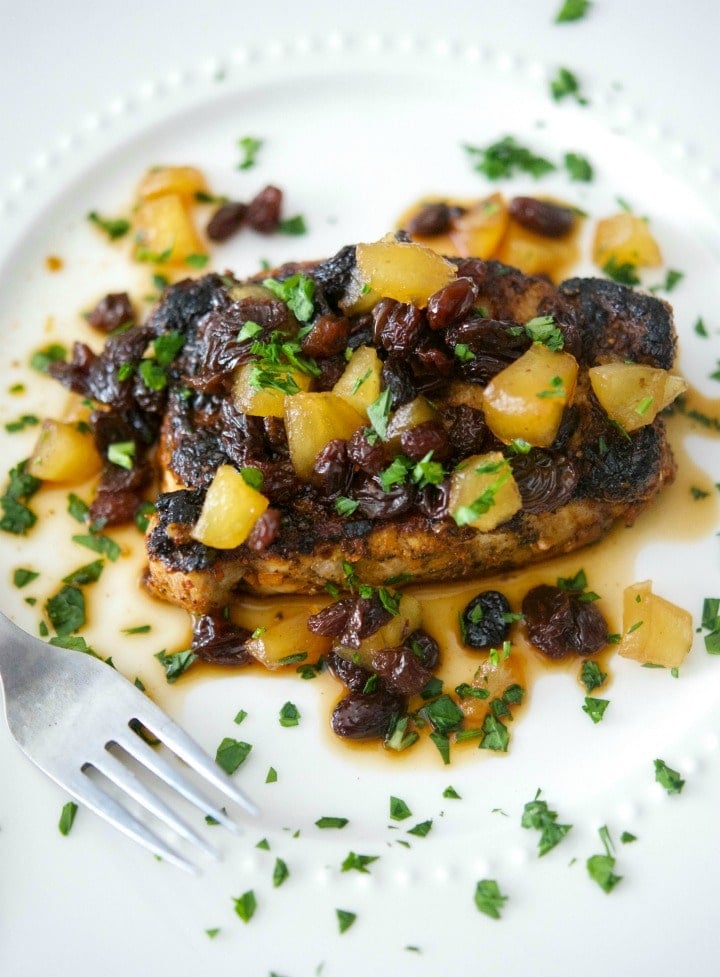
(382, 493)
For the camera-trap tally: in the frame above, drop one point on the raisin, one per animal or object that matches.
(451, 303)
(265, 531)
(332, 471)
(263, 212)
(468, 432)
(425, 647)
(560, 623)
(217, 640)
(354, 676)
(361, 717)
(542, 217)
(485, 620)
(429, 436)
(546, 481)
(431, 220)
(226, 221)
(398, 326)
(375, 502)
(401, 670)
(370, 458)
(397, 377)
(112, 312)
(328, 335)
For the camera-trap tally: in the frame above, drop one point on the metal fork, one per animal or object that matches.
(67, 709)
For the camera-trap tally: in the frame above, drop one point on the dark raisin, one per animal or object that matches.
(401, 670)
(431, 220)
(546, 481)
(560, 623)
(485, 620)
(451, 303)
(350, 619)
(362, 717)
(112, 312)
(331, 620)
(217, 640)
(265, 531)
(329, 335)
(332, 470)
(369, 457)
(425, 647)
(397, 377)
(398, 326)
(434, 500)
(263, 212)
(433, 361)
(542, 217)
(226, 221)
(430, 436)
(348, 672)
(375, 502)
(468, 432)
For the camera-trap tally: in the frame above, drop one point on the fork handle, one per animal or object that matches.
(19, 653)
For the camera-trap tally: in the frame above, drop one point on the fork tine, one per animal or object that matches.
(91, 795)
(193, 754)
(157, 764)
(126, 780)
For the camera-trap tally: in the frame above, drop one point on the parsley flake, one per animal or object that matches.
(250, 147)
(601, 868)
(289, 715)
(67, 818)
(595, 708)
(245, 905)
(538, 816)
(505, 157)
(572, 10)
(231, 753)
(345, 919)
(668, 778)
(176, 664)
(114, 227)
(489, 899)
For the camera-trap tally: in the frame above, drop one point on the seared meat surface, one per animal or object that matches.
(572, 491)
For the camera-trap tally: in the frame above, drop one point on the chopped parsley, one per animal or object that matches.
(42, 358)
(673, 277)
(67, 818)
(22, 422)
(271, 776)
(280, 873)
(250, 146)
(624, 273)
(249, 330)
(700, 328)
(345, 506)
(245, 905)
(451, 793)
(538, 816)
(197, 260)
(89, 573)
(357, 863)
(443, 714)
(331, 822)
(275, 361)
(66, 610)
(289, 714)
(421, 830)
(231, 753)
(297, 292)
(578, 167)
(99, 544)
(17, 517)
(176, 664)
(22, 577)
(379, 413)
(601, 868)
(122, 453)
(114, 227)
(565, 84)
(345, 919)
(240, 716)
(591, 675)
(399, 809)
(556, 389)
(294, 226)
(504, 158)
(542, 330)
(489, 899)
(668, 778)
(572, 10)
(595, 708)
(711, 623)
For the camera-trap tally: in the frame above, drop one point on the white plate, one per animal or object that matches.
(354, 130)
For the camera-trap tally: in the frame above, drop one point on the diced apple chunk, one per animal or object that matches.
(406, 272)
(633, 394)
(536, 254)
(265, 401)
(185, 181)
(526, 400)
(314, 419)
(230, 510)
(64, 452)
(408, 416)
(359, 384)
(282, 642)
(625, 239)
(164, 231)
(483, 492)
(655, 631)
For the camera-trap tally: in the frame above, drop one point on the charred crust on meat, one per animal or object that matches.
(592, 476)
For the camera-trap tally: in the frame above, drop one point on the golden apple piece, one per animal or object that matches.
(391, 635)
(633, 394)
(625, 239)
(266, 401)
(64, 452)
(406, 272)
(314, 419)
(185, 181)
(360, 382)
(483, 492)
(164, 232)
(230, 510)
(526, 400)
(408, 416)
(655, 631)
(287, 641)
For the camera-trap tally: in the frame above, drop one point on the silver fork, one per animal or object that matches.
(71, 712)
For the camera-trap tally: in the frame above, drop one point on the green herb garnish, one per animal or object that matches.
(489, 899)
(231, 753)
(537, 815)
(505, 157)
